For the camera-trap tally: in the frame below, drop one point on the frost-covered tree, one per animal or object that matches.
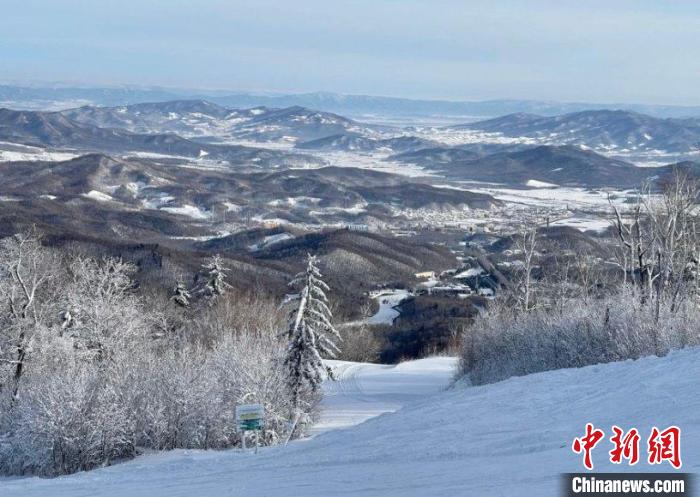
(311, 335)
(527, 246)
(102, 305)
(659, 239)
(24, 272)
(97, 378)
(181, 296)
(214, 275)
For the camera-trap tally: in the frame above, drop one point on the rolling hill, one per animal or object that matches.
(557, 165)
(608, 130)
(57, 131)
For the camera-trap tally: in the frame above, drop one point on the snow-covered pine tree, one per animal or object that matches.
(311, 335)
(214, 273)
(181, 296)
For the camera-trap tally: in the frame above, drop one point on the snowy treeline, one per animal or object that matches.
(651, 306)
(92, 370)
(509, 342)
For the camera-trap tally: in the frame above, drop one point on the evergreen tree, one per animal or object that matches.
(181, 296)
(311, 335)
(214, 273)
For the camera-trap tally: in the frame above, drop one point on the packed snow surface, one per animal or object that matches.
(511, 438)
(364, 391)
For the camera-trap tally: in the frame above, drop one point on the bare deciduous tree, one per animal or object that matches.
(22, 262)
(658, 239)
(526, 245)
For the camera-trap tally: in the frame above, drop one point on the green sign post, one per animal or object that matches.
(250, 417)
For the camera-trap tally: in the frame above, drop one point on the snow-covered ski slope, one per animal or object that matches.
(364, 391)
(507, 439)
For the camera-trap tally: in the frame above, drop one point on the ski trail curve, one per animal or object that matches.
(362, 391)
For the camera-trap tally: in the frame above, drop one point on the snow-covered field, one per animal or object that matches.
(508, 439)
(14, 152)
(374, 161)
(585, 223)
(388, 300)
(554, 196)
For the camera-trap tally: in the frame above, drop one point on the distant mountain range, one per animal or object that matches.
(576, 149)
(557, 165)
(177, 116)
(57, 130)
(359, 106)
(200, 118)
(615, 132)
(603, 130)
(62, 97)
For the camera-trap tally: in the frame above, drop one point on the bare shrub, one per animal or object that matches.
(507, 342)
(106, 371)
(360, 343)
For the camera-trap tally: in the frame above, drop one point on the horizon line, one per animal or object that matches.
(290, 93)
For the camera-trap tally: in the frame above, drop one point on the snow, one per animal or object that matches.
(270, 240)
(585, 223)
(153, 155)
(375, 161)
(15, 152)
(556, 197)
(280, 237)
(469, 273)
(356, 209)
(511, 438)
(430, 283)
(451, 136)
(388, 300)
(540, 184)
(294, 201)
(157, 202)
(188, 210)
(364, 391)
(99, 196)
(485, 292)
(204, 238)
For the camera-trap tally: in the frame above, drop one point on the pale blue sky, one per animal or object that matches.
(586, 50)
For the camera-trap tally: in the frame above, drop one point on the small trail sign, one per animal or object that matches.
(250, 417)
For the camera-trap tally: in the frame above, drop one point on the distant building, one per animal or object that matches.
(425, 275)
(476, 229)
(358, 227)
